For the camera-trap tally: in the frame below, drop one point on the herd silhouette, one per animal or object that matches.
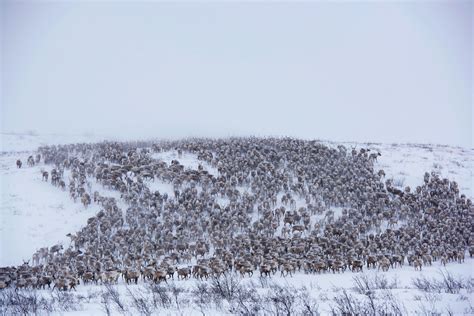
(262, 205)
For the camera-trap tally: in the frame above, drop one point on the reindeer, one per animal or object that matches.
(30, 162)
(159, 275)
(184, 273)
(245, 234)
(287, 268)
(131, 275)
(265, 270)
(55, 249)
(86, 200)
(384, 264)
(418, 263)
(89, 276)
(357, 265)
(61, 284)
(109, 277)
(200, 271)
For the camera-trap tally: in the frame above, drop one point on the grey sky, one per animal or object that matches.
(390, 72)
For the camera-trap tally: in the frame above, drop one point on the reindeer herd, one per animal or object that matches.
(274, 205)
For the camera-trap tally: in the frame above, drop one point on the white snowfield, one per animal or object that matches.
(188, 160)
(35, 214)
(407, 163)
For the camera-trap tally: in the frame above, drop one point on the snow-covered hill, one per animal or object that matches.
(34, 214)
(30, 141)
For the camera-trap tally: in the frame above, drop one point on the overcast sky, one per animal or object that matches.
(387, 72)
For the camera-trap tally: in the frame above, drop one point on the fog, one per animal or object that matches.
(381, 72)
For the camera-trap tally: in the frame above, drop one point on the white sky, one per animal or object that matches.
(389, 72)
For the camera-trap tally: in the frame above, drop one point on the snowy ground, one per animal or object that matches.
(180, 297)
(35, 214)
(188, 160)
(407, 163)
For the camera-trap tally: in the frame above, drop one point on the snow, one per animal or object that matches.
(188, 160)
(35, 214)
(160, 186)
(407, 163)
(321, 287)
(30, 141)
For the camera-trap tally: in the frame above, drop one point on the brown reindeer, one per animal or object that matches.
(357, 265)
(184, 273)
(159, 275)
(131, 275)
(265, 269)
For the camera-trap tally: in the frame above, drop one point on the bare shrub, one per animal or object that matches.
(264, 282)
(431, 297)
(347, 304)
(202, 295)
(160, 296)
(23, 302)
(383, 304)
(424, 284)
(65, 301)
(282, 300)
(176, 292)
(462, 297)
(247, 301)
(141, 302)
(469, 284)
(382, 283)
(363, 283)
(225, 286)
(449, 311)
(429, 310)
(309, 306)
(114, 297)
(392, 305)
(105, 303)
(448, 283)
